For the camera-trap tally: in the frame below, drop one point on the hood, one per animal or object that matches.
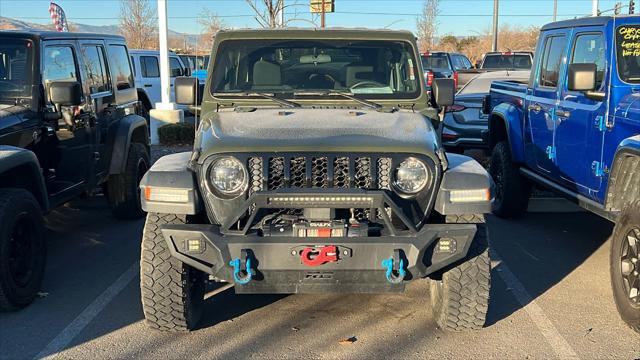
(7, 111)
(315, 130)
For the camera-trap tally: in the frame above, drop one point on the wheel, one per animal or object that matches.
(512, 191)
(172, 292)
(22, 248)
(122, 190)
(625, 265)
(460, 299)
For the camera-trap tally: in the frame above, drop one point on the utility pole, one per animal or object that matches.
(555, 10)
(322, 23)
(594, 7)
(494, 47)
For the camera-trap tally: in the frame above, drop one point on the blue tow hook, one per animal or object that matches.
(391, 276)
(240, 276)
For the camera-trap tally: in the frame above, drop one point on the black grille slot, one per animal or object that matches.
(276, 173)
(341, 172)
(320, 173)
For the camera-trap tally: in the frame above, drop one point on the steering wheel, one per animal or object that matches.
(366, 82)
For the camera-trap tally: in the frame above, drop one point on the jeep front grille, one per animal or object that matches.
(324, 172)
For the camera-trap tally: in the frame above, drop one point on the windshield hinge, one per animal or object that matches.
(407, 106)
(603, 124)
(599, 169)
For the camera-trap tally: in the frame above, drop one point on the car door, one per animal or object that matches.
(542, 101)
(73, 157)
(100, 105)
(150, 75)
(578, 136)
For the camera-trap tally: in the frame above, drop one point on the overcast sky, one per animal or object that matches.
(457, 17)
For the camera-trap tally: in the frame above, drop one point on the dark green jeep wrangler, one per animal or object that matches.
(316, 168)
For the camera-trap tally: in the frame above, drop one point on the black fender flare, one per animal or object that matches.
(23, 160)
(622, 187)
(123, 137)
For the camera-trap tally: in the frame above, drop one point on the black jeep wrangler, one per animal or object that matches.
(68, 124)
(316, 168)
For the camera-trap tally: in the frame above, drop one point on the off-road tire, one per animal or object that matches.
(122, 189)
(172, 292)
(627, 229)
(20, 220)
(512, 191)
(460, 299)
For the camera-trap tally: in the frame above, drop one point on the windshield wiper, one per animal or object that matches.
(287, 103)
(368, 103)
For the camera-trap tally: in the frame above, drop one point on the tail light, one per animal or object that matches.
(429, 76)
(454, 108)
(455, 79)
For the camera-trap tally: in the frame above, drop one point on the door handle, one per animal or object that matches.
(148, 85)
(535, 108)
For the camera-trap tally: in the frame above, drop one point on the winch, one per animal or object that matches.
(316, 229)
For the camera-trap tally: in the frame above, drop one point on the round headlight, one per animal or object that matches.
(228, 175)
(411, 176)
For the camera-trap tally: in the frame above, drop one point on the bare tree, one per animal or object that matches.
(427, 24)
(267, 12)
(138, 24)
(210, 24)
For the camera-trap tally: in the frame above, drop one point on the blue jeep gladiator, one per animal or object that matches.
(575, 128)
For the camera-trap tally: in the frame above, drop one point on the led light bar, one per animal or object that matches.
(163, 194)
(468, 196)
(364, 201)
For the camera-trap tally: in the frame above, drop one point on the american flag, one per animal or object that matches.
(58, 17)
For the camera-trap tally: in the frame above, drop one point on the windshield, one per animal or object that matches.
(15, 69)
(628, 51)
(507, 61)
(379, 69)
(437, 62)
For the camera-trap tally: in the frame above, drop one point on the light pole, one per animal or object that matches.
(494, 46)
(555, 10)
(165, 112)
(594, 8)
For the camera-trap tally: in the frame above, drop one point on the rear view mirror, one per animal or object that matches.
(187, 91)
(582, 77)
(65, 93)
(443, 91)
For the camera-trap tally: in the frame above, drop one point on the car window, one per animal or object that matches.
(628, 53)
(149, 66)
(554, 51)
(95, 68)
(59, 64)
(436, 61)
(16, 75)
(121, 67)
(175, 66)
(589, 49)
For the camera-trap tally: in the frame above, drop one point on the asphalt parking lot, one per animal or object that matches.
(550, 299)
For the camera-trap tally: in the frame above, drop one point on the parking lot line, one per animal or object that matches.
(558, 343)
(62, 340)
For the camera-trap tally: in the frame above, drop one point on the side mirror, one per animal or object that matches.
(581, 77)
(65, 93)
(443, 91)
(187, 91)
(486, 104)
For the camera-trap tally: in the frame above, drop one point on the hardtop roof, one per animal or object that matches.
(315, 33)
(586, 21)
(54, 35)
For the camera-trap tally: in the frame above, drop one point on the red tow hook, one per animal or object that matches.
(311, 256)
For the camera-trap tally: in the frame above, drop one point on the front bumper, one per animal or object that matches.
(278, 267)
